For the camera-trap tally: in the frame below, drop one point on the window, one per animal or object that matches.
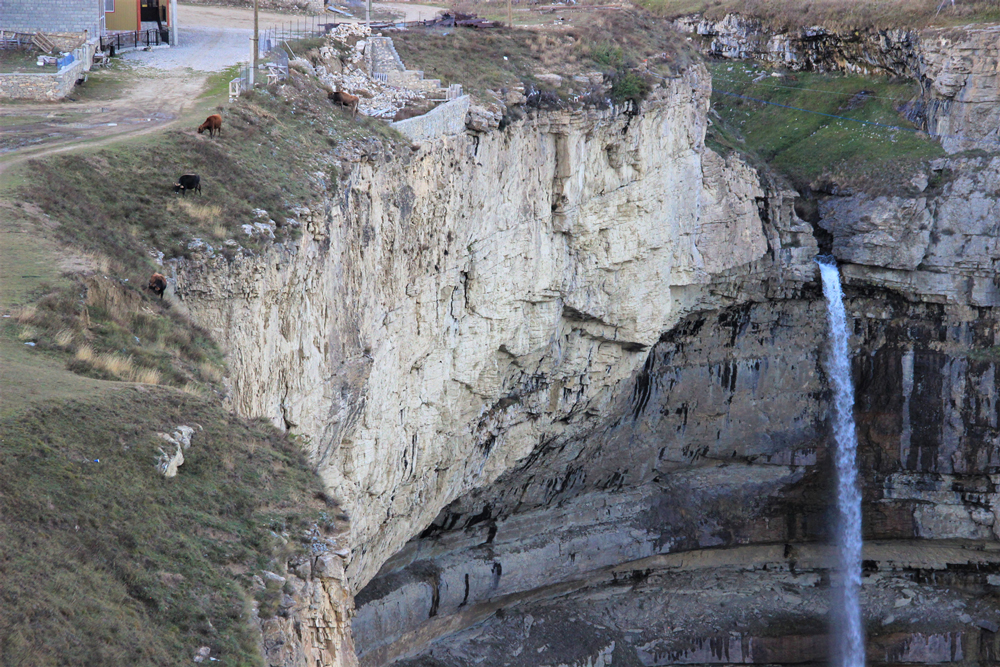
(109, 5)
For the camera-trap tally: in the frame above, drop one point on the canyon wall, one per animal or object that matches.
(689, 527)
(566, 379)
(448, 312)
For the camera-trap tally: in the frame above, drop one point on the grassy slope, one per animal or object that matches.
(105, 562)
(809, 148)
(835, 14)
(114, 207)
(110, 563)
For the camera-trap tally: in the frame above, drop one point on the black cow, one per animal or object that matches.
(157, 284)
(188, 182)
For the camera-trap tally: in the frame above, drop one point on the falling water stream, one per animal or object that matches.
(849, 636)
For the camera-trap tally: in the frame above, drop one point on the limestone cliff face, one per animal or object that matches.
(567, 381)
(935, 244)
(446, 313)
(689, 526)
(956, 67)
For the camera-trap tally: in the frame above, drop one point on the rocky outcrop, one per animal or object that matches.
(311, 623)
(938, 244)
(956, 67)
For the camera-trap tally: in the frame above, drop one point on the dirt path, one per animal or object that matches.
(150, 100)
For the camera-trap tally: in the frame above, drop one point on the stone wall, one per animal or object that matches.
(52, 15)
(449, 118)
(47, 87)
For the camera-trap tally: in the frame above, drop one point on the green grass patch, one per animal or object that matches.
(26, 262)
(105, 562)
(23, 61)
(813, 146)
(104, 84)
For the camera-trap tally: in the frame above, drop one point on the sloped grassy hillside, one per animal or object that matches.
(103, 561)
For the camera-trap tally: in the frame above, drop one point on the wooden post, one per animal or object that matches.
(256, 42)
(510, 15)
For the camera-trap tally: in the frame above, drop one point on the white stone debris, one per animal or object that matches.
(166, 463)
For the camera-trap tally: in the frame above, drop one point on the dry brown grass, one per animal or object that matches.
(114, 363)
(210, 371)
(27, 333)
(205, 214)
(64, 338)
(26, 314)
(193, 389)
(146, 376)
(836, 14)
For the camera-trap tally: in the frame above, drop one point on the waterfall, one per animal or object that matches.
(849, 635)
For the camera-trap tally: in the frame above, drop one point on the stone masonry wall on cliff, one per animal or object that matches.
(47, 87)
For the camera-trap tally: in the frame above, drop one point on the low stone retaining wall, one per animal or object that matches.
(45, 87)
(448, 118)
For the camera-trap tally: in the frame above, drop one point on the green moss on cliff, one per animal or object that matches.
(817, 128)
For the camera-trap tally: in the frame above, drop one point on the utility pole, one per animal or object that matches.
(256, 43)
(510, 15)
(368, 15)
(173, 22)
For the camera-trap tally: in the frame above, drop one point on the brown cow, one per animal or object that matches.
(345, 100)
(213, 124)
(157, 284)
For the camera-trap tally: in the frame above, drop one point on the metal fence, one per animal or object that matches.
(302, 27)
(120, 41)
(240, 84)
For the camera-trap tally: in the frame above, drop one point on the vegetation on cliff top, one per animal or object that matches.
(797, 123)
(835, 14)
(108, 212)
(628, 47)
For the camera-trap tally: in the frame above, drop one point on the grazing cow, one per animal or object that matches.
(345, 100)
(213, 124)
(188, 182)
(157, 284)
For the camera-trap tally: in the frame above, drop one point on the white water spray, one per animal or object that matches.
(850, 645)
